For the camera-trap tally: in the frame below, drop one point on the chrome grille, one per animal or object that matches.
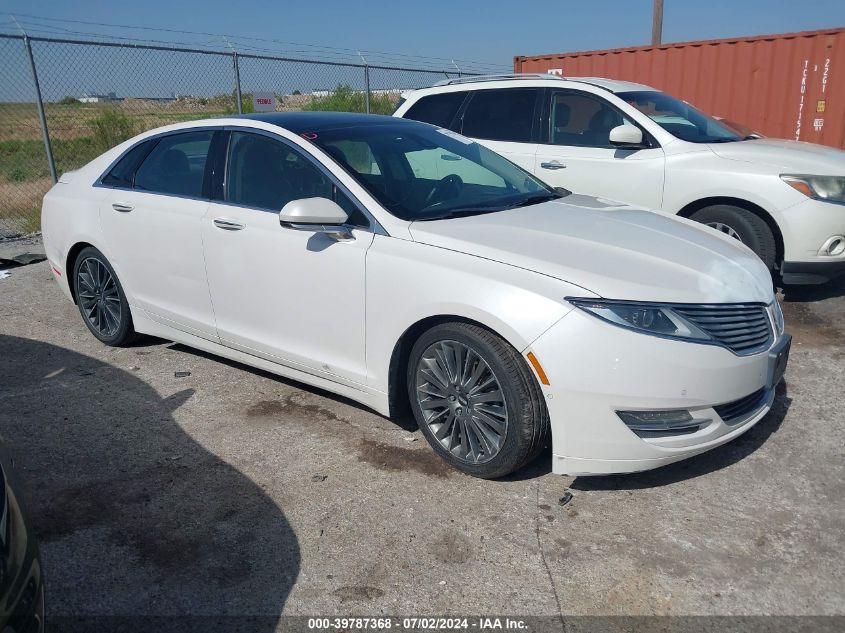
(742, 328)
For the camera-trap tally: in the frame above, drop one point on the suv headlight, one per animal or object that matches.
(827, 188)
(647, 318)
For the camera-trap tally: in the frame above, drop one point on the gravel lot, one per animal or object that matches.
(231, 491)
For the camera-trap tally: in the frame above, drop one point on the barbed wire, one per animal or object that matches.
(43, 25)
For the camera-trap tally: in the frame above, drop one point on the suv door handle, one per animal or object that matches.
(553, 165)
(228, 225)
(122, 207)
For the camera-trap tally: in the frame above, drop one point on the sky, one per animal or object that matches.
(490, 32)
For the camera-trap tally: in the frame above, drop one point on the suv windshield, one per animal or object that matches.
(419, 172)
(679, 118)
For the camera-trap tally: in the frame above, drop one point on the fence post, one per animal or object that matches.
(39, 104)
(237, 82)
(367, 87)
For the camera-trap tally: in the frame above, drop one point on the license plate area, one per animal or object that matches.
(778, 358)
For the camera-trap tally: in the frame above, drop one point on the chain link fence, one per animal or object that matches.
(63, 102)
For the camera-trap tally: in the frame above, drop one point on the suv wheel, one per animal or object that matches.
(475, 400)
(743, 225)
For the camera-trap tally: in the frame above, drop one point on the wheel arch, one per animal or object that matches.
(756, 209)
(70, 262)
(398, 402)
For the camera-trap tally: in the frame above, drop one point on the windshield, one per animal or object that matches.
(678, 118)
(419, 172)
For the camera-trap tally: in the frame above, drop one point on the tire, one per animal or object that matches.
(746, 226)
(519, 418)
(100, 299)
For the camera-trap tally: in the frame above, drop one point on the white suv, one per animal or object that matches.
(783, 199)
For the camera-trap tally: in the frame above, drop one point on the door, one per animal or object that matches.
(576, 153)
(151, 218)
(503, 120)
(290, 296)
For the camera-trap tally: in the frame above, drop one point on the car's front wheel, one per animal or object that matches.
(743, 225)
(100, 299)
(475, 400)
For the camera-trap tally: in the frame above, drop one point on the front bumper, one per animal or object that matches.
(822, 270)
(805, 228)
(596, 369)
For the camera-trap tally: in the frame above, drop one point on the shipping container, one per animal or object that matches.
(788, 86)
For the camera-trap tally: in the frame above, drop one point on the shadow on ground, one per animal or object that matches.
(133, 515)
(716, 459)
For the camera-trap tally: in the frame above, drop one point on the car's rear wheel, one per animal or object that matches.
(743, 225)
(100, 299)
(475, 400)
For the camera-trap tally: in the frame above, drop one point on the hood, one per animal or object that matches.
(611, 249)
(790, 156)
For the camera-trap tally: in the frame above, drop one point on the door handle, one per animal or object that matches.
(122, 207)
(553, 165)
(228, 225)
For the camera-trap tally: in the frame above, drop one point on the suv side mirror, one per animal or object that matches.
(319, 215)
(626, 136)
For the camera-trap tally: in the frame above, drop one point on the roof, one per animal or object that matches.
(614, 85)
(299, 122)
(528, 79)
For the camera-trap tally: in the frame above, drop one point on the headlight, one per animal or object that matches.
(827, 188)
(651, 319)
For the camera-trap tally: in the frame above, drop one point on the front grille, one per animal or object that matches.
(732, 412)
(742, 328)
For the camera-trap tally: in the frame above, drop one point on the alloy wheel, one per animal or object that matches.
(462, 401)
(99, 297)
(724, 228)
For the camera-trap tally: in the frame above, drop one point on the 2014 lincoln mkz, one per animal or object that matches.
(407, 267)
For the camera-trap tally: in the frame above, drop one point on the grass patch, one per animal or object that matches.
(345, 99)
(111, 128)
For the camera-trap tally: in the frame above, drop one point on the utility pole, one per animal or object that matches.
(657, 23)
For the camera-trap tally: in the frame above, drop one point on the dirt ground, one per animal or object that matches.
(231, 491)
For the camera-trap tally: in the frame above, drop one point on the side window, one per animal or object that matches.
(123, 173)
(436, 109)
(176, 165)
(582, 120)
(500, 115)
(264, 173)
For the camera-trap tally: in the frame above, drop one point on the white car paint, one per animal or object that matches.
(330, 314)
(678, 175)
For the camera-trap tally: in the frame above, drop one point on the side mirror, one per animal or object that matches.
(629, 136)
(318, 215)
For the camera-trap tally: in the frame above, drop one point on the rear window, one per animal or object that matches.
(500, 115)
(122, 174)
(177, 165)
(438, 110)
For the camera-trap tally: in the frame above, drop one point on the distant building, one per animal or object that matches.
(92, 98)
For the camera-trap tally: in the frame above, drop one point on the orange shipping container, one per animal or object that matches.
(786, 86)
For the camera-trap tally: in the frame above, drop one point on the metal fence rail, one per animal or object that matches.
(65, 101)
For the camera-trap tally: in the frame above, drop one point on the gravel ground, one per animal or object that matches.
(231, 491)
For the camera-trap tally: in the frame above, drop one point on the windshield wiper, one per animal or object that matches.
(462, 212)
(535, 200)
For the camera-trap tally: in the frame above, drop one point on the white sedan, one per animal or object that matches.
(407, 267)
